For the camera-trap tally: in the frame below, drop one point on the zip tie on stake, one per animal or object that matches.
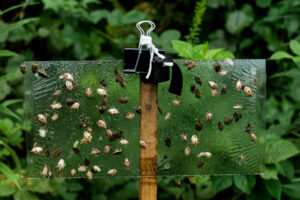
(146, 40)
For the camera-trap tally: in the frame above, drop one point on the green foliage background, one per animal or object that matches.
(91, 29)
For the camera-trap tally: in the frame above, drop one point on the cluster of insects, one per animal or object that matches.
(87, 136)
(236, 116)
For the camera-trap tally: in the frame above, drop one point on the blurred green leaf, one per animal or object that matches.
(4, 90)
(7, 53)
(237, 21)
(269, 172)
(6, 189)
(17, 6)
(115, 17)
(97, 15)
(9, 112)
(280, 55)
(241, 182)
(10, 174)
(295, 47)
(279, 150)
(13, 154)
(220, 183)
(263, 3)
(291, 190)
(17, 24)
(10, 77)
(133, 16)
(274, 188)
(165, 39)
(223, 55)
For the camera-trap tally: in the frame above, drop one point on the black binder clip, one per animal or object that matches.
(151, 63)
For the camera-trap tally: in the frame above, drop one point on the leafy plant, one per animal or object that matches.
(200, 51)
(194, 35)
(87, 29)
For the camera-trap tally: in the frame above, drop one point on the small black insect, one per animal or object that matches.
(75, 84)
(237, 116)
(198, 80)
(223, 90)
(82, 123)
(193, 87)
(23, 68)
(70, 102)
(198, 126)
(102, 82)
(220, 126)
(104, 101)
(198, 94)
(102, 109)
(116, 135)
(138, 109)
(190, 65)
(217, 67)
(86, 162)
(168, 142)
(47, 153)
(76, 150)
(116, 71)
(228, 121)
(57, 152)
(122, 100)
(34, 67)
(200, 164)
(248, 128)
(159, 110)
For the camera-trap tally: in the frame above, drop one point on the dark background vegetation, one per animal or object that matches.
(91, 29)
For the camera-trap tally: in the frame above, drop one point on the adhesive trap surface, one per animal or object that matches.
(85, 119)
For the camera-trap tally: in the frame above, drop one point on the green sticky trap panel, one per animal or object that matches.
(85, 119)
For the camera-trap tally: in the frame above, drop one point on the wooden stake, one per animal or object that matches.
(148, 133)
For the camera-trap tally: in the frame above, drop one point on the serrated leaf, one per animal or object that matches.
(220, 183)
(279, 150)
(184, 49)
(273, 187)
(223, 55)
(295, 47)
(7, 53)
(10, 174)
(198, 52)
(211, 53)
(279, 55)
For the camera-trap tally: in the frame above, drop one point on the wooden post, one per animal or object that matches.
(148, 134)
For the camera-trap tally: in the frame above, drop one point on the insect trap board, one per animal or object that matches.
(85, 119)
